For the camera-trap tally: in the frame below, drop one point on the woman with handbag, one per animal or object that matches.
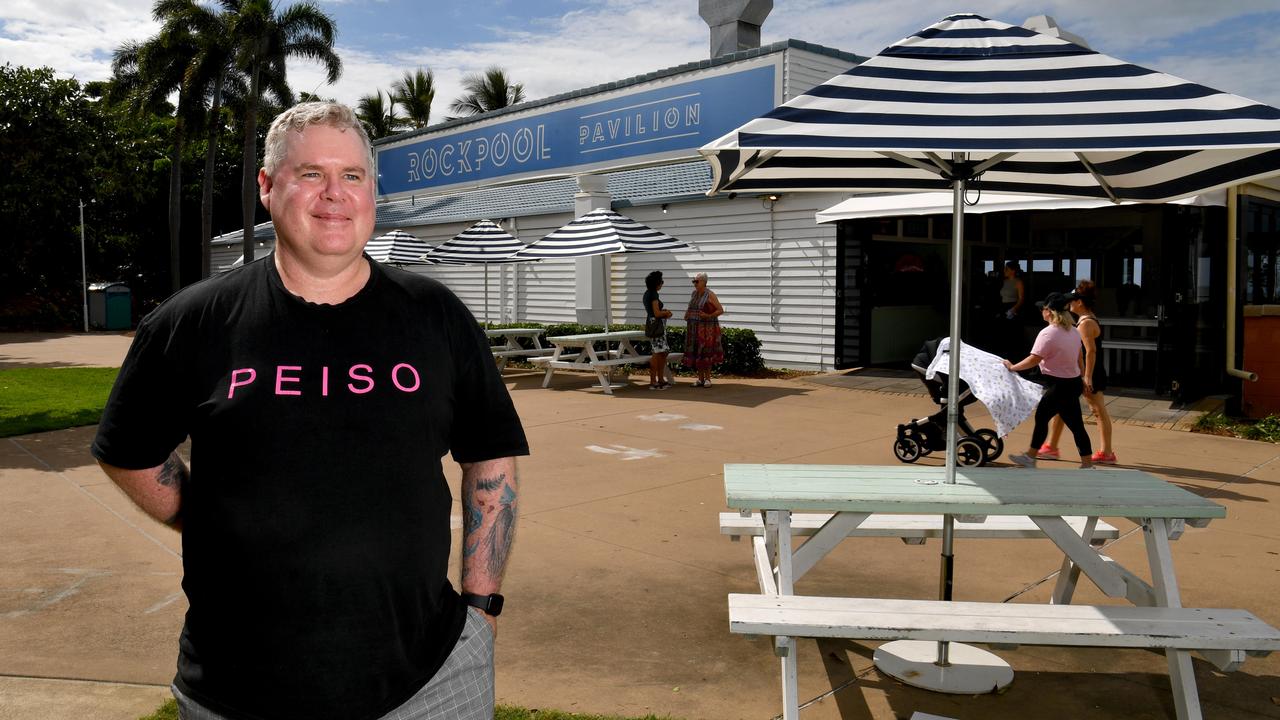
(702, 345)
(655, 327)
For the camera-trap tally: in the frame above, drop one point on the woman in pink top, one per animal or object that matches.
(1057, 352)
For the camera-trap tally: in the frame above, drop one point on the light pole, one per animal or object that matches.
(84, 275)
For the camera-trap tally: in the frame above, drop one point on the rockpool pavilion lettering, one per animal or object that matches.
(652, 121)
(470, 155)
(642, 123)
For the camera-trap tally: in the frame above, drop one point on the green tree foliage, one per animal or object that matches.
(487, 91)
(415, 92)
(378, 113)
(59, 146)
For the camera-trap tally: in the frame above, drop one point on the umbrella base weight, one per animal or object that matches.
(970, 670)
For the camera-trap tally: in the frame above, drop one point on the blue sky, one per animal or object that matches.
(554, 46)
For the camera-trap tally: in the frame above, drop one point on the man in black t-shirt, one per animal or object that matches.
(320, 391)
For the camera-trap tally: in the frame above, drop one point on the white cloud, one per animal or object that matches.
(584, 47)
(71, 36)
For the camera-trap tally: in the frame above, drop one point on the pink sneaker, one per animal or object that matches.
(1107, 458)
(1048, 452)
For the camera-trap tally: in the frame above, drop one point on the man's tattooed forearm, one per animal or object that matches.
(497, 538)
(502, 532)
(173, 473)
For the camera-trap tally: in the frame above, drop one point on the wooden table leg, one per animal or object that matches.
(1186, 701)
(1069, 574)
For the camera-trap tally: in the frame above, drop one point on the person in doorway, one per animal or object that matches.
(1057, 353)
(655, 323)
(1094, 376)
(320, 391)
(1013, 293)
(703, 348)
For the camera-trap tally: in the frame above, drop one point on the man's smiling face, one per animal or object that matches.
(321, 196)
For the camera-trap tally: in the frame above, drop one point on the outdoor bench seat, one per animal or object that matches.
(523, 352)
(1225, 636)
(915, 529)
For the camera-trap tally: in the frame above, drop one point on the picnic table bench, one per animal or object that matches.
(874, 500)
(510, 346)
(580, 352)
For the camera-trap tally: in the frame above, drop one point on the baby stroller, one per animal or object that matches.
(925, 435)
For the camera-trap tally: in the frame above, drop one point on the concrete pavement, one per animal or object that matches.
(616, 591)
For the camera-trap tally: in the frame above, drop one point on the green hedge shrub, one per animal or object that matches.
(741, 346)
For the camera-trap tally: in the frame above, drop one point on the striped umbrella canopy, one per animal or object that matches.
(483, 243)
(1029, 113)
(599, 232)
(398, 248)
(975, 101)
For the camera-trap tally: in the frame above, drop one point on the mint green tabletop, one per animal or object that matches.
(977, 491)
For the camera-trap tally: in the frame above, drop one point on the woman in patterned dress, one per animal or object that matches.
(702, 346)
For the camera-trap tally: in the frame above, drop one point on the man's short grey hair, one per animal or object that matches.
(700, 276)
(303, 115)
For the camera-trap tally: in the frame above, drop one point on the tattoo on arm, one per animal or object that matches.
(502, 532)
(485, 551)
(173, 473)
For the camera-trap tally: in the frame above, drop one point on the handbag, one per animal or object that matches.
(653, 327)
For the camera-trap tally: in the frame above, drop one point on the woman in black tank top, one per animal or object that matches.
(1094, 375)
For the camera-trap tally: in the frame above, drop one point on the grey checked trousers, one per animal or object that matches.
(461, 690)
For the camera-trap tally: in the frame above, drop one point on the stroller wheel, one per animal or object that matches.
(906, 449)
(994, 445)
(969, 452)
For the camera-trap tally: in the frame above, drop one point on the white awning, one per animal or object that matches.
(940, 203)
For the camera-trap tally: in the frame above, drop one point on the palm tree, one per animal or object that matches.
(264, 40)
(146, 74)
(486, 92)
(213, 75)
(379, 117)
(415, 92)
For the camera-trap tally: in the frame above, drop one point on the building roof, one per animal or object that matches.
(628, 82)
(680, 182)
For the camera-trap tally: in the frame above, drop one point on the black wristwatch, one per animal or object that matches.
(489, 604)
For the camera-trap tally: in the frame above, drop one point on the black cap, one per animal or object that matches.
(1056, 301)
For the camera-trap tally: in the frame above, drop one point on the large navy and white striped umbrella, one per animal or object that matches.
(398, 248)
(599, 232)
(483, 243)
(971, 99)
(1035, 114)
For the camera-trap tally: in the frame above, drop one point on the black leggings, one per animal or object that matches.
(1061, 398)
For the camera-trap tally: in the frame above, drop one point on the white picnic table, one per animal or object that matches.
(510, 346)
(600, 353)
(1063, 506)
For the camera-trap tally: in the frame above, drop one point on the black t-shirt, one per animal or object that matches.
(316, 519)
(649, 297)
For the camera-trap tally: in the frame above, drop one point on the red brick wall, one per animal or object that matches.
(1262, 355)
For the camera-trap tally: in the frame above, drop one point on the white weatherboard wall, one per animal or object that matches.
(803, 70)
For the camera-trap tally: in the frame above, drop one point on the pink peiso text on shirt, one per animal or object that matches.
(1059, 351)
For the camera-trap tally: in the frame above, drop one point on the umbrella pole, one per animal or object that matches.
(944, 666)
(486, 294)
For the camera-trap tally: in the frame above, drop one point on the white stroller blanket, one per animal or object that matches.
(1009, 397)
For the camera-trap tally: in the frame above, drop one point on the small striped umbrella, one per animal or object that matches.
(484, 243)
(599, 232)
(398, 248)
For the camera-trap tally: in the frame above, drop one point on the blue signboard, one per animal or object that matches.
(676, 117)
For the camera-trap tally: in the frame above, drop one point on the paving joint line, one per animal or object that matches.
(96, 499)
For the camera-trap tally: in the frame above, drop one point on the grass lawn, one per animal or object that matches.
(39, 399)
(169, 711)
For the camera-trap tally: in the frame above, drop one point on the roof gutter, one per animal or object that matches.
(1233, 203)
